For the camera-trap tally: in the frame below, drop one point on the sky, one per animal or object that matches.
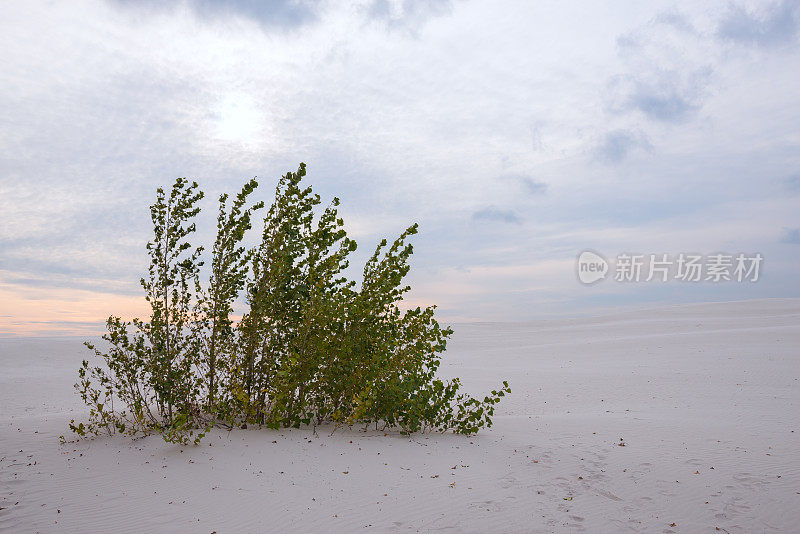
(517, 134)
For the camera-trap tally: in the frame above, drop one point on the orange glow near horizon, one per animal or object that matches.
(31, 311)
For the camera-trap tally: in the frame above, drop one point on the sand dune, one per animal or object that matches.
(704, 399)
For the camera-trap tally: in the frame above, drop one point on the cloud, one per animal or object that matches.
(534, 186)
(790, 236)
(268, 13)
(676, 19)
(661, 102)
(667, 96)
(530, 185)
(494, 214)
(775, 25)
(668, 67)
(792, 183)
(407, 14)
(617, 145)
(660, 80)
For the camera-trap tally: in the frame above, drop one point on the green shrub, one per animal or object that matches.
(312, 347)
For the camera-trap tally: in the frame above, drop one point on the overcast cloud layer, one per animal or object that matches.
(517, 134)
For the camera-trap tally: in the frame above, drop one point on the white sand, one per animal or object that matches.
(705, 397)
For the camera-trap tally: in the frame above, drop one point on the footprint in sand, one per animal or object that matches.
(507, 481)
(608, 495)
(489, 506)
(749, 481)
